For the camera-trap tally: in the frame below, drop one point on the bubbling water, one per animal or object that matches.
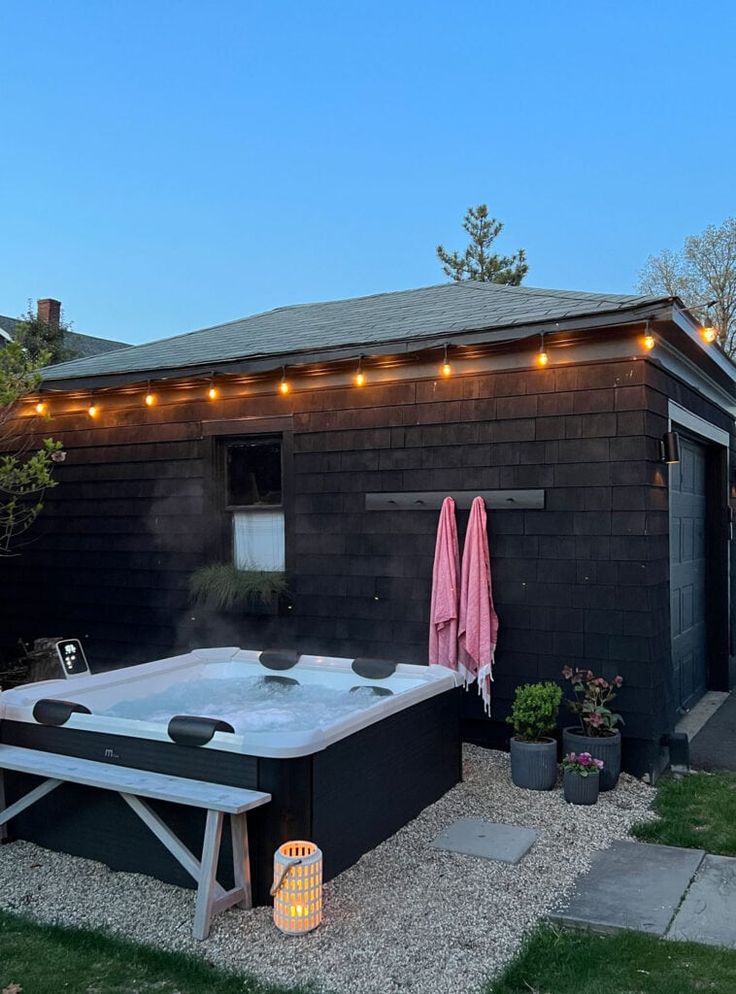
(250, 704)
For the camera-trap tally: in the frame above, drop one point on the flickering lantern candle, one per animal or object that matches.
(297, 887)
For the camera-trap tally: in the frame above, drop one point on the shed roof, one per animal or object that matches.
(443, 310)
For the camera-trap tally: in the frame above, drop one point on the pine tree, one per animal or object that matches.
(477, 262)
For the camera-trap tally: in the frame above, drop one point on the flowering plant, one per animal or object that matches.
(582, 763)
(593, 694)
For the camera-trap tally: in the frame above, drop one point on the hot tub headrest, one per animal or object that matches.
(192, 730)
(279, 681)
(374, 669)
(279, 659)
(48, 711)
(363, 688)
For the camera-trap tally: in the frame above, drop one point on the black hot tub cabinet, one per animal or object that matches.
(346, 787)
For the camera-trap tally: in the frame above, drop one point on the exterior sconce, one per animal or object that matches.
(297, 887)
(670, 447)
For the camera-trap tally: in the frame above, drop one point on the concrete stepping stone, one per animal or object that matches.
(708, 913)
(632, 885)
(486, 839)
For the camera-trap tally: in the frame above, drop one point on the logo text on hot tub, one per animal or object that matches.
(111, 754)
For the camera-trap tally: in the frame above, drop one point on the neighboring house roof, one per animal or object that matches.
(83, 345)
(404, 316)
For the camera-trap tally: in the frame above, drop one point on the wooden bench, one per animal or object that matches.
(132, 785)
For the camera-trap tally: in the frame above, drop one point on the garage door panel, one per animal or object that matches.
(688, 572)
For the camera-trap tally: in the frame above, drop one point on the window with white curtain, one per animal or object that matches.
(254, 500)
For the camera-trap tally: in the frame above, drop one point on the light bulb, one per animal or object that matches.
(446, 369)
(359, 379)
(542, 358)
(213, 393)
(150, 399)
(40, 407)
(93, 410)
(648, 342)
(284, 387)
(709, 333)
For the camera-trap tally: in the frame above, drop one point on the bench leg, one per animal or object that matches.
(3, 827)
(208, 887)
(241, 858)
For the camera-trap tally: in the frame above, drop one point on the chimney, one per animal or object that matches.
(49, 311)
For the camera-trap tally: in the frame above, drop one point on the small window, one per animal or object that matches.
(253, 484)
(254, 473)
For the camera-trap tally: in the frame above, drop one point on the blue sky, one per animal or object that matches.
(169, 164)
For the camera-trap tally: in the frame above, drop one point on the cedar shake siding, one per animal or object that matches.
(582, 582)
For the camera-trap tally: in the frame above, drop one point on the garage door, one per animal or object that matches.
(687, 573)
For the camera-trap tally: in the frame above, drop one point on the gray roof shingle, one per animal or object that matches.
(430, 312)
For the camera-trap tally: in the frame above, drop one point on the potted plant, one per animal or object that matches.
(597, 732)
(581, 775)
(224, 587)
(533, 748)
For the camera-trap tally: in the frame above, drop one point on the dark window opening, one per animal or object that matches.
(254, 473)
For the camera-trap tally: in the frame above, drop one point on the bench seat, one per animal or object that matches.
(133, 785)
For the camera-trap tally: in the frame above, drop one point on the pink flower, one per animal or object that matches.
(598, 763)
(618, 681)
(567, 672)
(585, 759)
(58, 456)
(594, 720)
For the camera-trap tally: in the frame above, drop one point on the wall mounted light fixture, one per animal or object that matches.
(670, 447)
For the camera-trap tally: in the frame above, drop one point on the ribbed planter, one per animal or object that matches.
(534, 764)
(580, 790)
(605, 747)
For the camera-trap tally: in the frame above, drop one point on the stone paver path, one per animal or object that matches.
(674, 893)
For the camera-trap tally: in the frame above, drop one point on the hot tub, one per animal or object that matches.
(350, 750)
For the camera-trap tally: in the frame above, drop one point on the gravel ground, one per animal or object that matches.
(405, 918)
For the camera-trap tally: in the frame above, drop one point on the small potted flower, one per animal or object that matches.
(581, 775)
(533, 748)
(597, 732)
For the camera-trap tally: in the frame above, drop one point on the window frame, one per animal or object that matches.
(218, 541)
(231, 443)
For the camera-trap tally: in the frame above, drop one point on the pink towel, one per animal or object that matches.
(478, 627)
(443, 616)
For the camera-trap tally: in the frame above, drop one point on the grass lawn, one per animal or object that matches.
(45, 959)
(697, 812)
(554, 962)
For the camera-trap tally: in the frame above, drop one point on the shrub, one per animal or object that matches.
(534, 712)
(223, 587)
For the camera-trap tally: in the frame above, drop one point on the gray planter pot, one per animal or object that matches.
(534, 764)
(580, 790)
(605, 747)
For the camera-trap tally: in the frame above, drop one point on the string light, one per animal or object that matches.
(648, 341)
(542, 357)
(284, 387)
(150, 398)
(41, 407)
(708, 331)
(445, 368)
(93, 410)
(213, 393)
(359, 378)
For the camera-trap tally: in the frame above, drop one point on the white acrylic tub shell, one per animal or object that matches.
(408, 684)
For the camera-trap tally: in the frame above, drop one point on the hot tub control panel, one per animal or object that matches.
(73, 659)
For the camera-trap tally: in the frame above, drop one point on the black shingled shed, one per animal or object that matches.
(602, 554)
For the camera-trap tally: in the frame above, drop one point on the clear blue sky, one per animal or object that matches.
(170, 164)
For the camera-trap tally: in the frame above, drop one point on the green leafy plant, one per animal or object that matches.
(534, 711)
(224, 587)
(592, 695)
(25, 473)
